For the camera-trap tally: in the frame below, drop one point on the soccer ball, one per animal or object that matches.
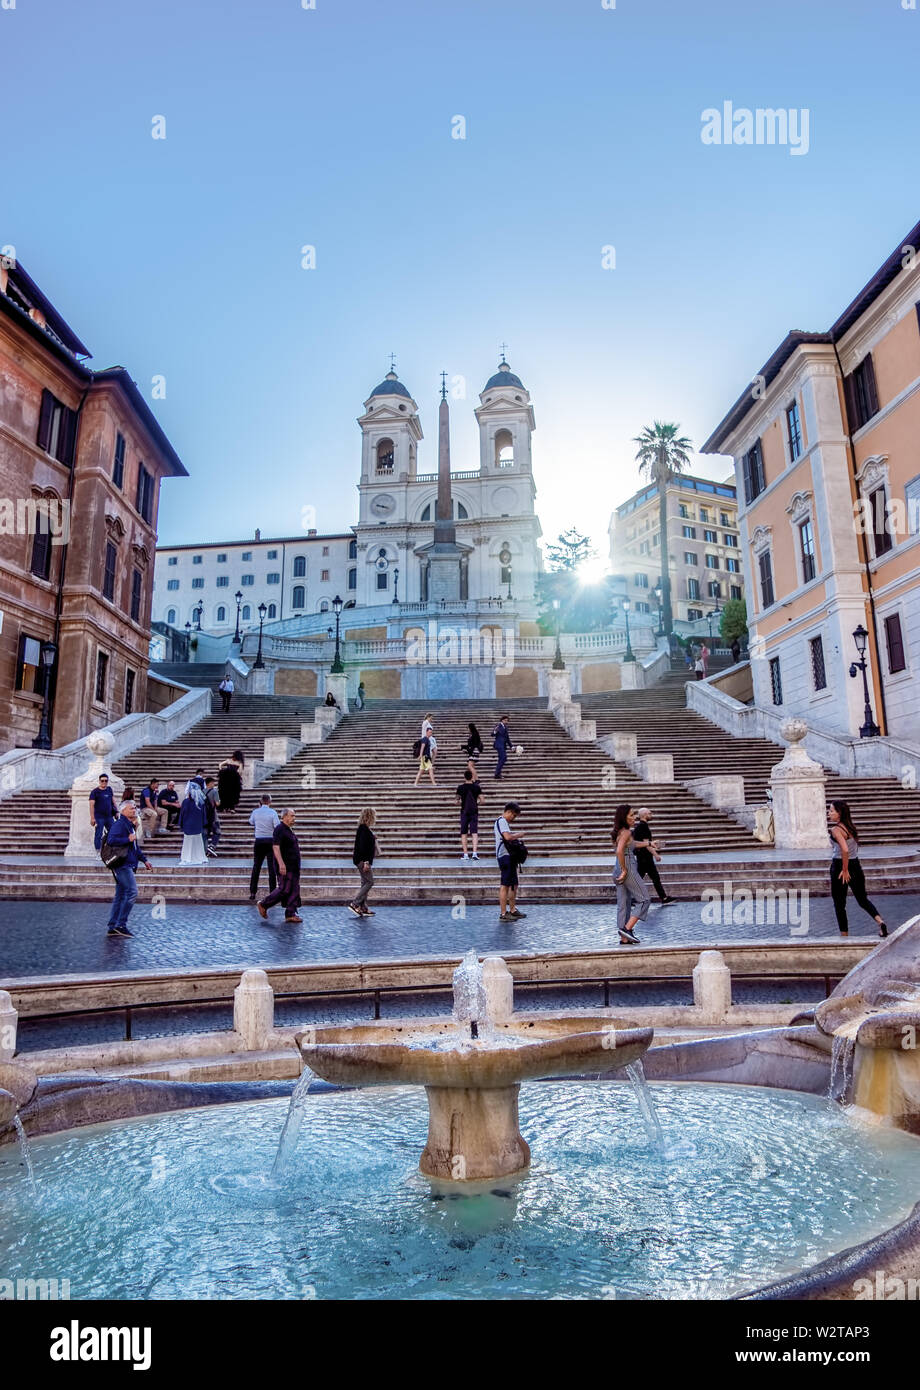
(519, 749)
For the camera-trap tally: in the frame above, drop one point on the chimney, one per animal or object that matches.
(258, 534)
(312, 531)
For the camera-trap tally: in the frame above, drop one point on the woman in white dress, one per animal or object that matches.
(192, 821)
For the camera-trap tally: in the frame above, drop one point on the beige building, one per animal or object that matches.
(828, 471)
(703, 547)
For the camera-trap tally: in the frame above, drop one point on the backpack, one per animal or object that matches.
(417, 747)
(112, 856)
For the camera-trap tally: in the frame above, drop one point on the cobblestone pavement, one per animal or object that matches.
(70, 938)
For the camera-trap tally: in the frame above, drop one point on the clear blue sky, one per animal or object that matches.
(332, 126)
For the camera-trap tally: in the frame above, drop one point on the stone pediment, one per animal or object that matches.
(761, 538)
(799, 505)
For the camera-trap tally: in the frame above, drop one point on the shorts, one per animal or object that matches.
(508, 870)
(469, 822)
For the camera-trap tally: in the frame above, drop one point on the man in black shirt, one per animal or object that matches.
(287, 856)
(646, 850)
(101, 810)
(468, 794)
(169, 800)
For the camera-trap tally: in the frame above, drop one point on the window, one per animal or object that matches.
(273, 578)
(643, 607)
(807, 547)
(57, 429)
(198, 583)
(735, 591)
(644, 548)
(272, 555)
(196, 559)
(137, 589)
(861, 394)
(173, 560)
(641, 581)
(794, 431)
(818, 673)
(223, 581)
(272, 610)
(129, 691)
(41, 546)
(711, 536)
(247, 581)
(352, 579)
(143, 501)
(693, 614)
(730, 540)
(683, 510)
(693, 588)
(894, 639)
(712, 562)
(382, 580)
(689, 533)
(118, 465)
(171, 616)
(222, 559)
(725, 520)
(752, 472)
(172, 583)
(776, 681)
(878, 503)
(246, 555)
(297, 598)
(715, 589)
(325, 550)
(300, 566)
(656, 539)
(108, 575)
(704, 513)
(385, 453)
(324, 576)
(29, 665)
(352, 549)
(691, 557)
(221, 614)
(766, 579)
(732, 565)
(247, 613)
(102, 676)
(324, 606)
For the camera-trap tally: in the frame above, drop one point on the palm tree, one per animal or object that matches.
(662, 455)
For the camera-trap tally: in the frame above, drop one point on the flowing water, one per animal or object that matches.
(636, 1073)
(470, 994)
(26, 1153)
(293, 1122)
(843, 1056)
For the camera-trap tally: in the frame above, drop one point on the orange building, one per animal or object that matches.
(827, 462)
(81, 458)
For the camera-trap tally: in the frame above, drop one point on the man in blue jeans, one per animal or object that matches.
(501, 741)
(123, 834)
(101, 810)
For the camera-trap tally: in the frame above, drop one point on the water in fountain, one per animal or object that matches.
(843, 1054)
(26, 1153)
(636, 1073)
(470, 996)
(293, 1122)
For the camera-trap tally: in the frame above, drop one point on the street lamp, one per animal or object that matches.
(188, 639)
(237, 639)
(660, 632)
(48, 655)
(558, 663)
(396, 586)
(630, 654)
(337, 668)
(198, 612)
(259, 664)
(869, 729)
(716, 612)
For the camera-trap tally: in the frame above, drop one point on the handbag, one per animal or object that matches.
(113, 856)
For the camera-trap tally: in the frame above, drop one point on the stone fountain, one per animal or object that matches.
(472, 1066)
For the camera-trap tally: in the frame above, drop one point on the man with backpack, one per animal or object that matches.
(122, 854)
(501, 742)
(509, 851)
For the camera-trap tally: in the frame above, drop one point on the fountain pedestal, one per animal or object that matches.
(473, 1133)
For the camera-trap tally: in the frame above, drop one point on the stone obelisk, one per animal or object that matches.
(444, 556)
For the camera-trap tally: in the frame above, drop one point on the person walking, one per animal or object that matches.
(123, 836)
(427, 726)
(507, 864)
(704, 657)
(501, 742)
(632, 894)
(736, 650)
(363, 859)
(846, 870)
(169, 800)
(153, 817)
(230, 781)
(647, 854)
(226, 689)
(473, 746)
(287, 857)
(425, 763)
(192, 823)
(101, 810)
(211, 818)
(468, 794)
(264, 822)
(359, 695)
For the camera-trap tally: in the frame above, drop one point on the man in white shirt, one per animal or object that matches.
(226, 688)
(263, 821)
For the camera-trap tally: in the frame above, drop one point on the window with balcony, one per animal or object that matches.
(725, 519)
(385, 456)
(683, 510)
(704, 513)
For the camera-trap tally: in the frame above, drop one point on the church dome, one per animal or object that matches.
(391, 386)
(504, 377)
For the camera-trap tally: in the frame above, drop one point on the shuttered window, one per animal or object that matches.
(57, 429)
(118, 465)
(752, 472)
(861, 393)
(894, 639)
(881, 535)
(766, 579)
(108, 575)
(136, 593)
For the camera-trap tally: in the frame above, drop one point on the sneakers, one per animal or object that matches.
(212, 851)
(119, 931)
(353, 907)
(507, 917)
(516, 915)
(368, 912)
(475, 858)
(666, 902)
(262, 911)
(295, 920)
(464, 858)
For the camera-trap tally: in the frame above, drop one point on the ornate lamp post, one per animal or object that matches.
(396, 587)
(558, 663)
(660, 632)
(630, 654)
(48, 657)
(337, 668)
(237, 639)
(198, 612)
(188, 640)
(716, 612)
(259, 664)
(869, 729)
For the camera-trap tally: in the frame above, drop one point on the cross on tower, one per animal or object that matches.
(443, 386)
(503, 348)
(393, 362)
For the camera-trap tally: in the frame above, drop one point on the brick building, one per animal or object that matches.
(81, 458)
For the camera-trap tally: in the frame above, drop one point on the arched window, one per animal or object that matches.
(352, 549)
(273, 610)
(247, 613)
(300, 566)
(171, 616)
(353, 579)
(350, 603)
(297, 599)
(324, 606)
(385, 456)
(460, 512)
(222, 614)
(504, 449)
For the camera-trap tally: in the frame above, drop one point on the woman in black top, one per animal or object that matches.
(846, 870)
(363, 859)
(473, 746)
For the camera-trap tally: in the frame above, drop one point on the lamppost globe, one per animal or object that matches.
(629, 654)
(861, 637)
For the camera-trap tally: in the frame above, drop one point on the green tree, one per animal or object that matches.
(582, 607)
(663, 454)
(733, 622)
(570, 551)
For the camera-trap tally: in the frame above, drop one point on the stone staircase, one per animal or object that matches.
(192, 673)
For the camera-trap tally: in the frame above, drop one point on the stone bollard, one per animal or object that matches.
(280, 749)
(799, 794)
(254, 1009)
(81, 844)
(338, 684)
(712, 987)
(8, 1020)
(558, 688)
(654, 767)
(498, 984)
